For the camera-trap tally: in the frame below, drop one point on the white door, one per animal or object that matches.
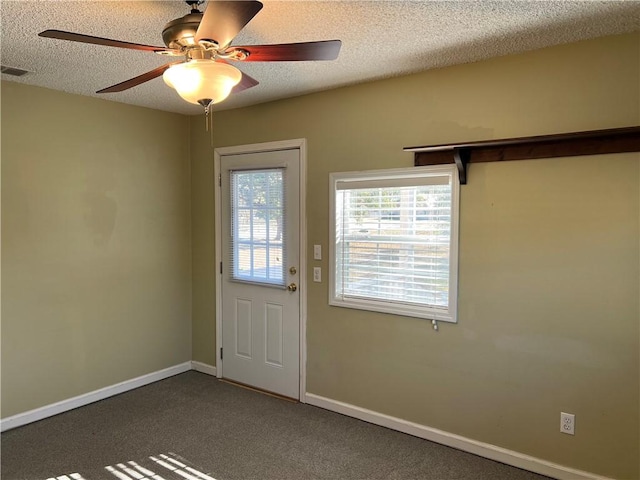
(260, 208)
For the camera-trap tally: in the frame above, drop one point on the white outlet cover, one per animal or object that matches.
(567, 423)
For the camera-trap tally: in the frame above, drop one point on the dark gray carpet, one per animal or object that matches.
(229, 433)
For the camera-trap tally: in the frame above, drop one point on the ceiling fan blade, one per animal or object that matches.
(78, 37)
(223, 19)
(132, 82)
(289, 52)
(245, 83)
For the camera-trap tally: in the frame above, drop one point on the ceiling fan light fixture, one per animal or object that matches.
(202, 79)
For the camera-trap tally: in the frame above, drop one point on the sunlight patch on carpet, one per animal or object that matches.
(157, 467)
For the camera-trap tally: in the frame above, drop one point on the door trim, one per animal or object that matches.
(301, 145)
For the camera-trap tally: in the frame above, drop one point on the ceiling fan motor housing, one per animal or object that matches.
(181, 32)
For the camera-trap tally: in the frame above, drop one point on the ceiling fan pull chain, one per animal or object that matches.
(211, 125)
(208, 120)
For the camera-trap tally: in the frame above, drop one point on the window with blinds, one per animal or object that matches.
(258, 226)
(395, 241)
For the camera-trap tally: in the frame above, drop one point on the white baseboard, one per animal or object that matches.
(459, 442)
(204, 368)
(87, 398)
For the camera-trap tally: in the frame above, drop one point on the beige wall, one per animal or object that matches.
(204, 284)
(96, 244)
(549, 316)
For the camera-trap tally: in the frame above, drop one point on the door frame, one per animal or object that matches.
(301, 145)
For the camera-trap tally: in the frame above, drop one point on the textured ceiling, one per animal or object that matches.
(379, 39)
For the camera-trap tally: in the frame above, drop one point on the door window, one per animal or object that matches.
(258, 226)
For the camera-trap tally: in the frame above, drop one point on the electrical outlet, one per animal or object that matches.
(317, 274)
(567, 423)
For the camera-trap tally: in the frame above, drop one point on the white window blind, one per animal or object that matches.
(258, 226)
(395, 241)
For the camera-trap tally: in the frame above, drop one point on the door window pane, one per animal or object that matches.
(257, 226)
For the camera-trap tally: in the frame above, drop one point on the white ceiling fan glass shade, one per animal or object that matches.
(202, 79)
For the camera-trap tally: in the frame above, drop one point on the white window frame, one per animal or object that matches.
(450, 174)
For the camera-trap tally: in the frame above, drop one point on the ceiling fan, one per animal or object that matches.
(206, 76)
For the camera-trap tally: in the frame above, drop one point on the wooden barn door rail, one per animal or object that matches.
(594, 142)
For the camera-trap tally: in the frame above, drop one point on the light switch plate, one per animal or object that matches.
(317, 252)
